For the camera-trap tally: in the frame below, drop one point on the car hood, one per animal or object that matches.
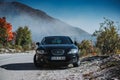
(58, 46)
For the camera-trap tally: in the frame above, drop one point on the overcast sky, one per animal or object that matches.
(86, 14)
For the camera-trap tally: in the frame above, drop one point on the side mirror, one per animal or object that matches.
(75, 42)
(37, 43)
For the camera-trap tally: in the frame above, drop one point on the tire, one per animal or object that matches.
(77, 64)
(36, 63)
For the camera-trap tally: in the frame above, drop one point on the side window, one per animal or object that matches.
(43, 41)
(70, 40)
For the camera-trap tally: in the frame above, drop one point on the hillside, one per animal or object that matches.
(40, 23)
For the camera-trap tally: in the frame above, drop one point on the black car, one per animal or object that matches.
(57, 51)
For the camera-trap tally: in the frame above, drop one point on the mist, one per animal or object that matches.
(40, 24)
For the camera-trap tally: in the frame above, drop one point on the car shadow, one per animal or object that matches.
(28, 66)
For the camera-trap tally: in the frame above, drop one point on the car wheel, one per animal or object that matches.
(76, 64)
(36, 63)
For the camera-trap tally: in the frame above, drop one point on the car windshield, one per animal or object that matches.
(56, 40)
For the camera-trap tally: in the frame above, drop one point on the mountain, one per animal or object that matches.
(39, 22)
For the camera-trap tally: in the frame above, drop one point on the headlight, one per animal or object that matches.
(73, 51)
(40, 51)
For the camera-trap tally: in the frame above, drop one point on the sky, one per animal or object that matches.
(85, 14)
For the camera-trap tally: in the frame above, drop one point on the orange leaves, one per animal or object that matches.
(7, 29)
(9, 32)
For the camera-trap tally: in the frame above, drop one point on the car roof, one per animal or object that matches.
(56, 36)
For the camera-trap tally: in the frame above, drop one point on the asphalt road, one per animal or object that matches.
(21, 67)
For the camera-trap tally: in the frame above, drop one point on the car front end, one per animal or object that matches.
(56, 55)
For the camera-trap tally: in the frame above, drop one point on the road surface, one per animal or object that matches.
(21, 67)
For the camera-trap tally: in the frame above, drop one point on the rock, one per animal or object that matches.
(107, 68)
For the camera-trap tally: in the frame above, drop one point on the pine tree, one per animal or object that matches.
(23, 37)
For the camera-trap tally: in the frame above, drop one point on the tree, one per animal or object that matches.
(85, 44)
(107, 37)
(23, 37)
(86, 48)
(6, 33)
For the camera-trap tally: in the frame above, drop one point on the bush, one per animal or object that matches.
(108, 38)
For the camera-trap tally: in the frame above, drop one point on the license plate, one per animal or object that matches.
(57, 58)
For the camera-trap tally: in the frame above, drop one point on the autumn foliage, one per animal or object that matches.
(6, 33)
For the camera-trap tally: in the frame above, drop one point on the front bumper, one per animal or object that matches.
(69, 59)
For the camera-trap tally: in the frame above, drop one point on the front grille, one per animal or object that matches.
(57, 51)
